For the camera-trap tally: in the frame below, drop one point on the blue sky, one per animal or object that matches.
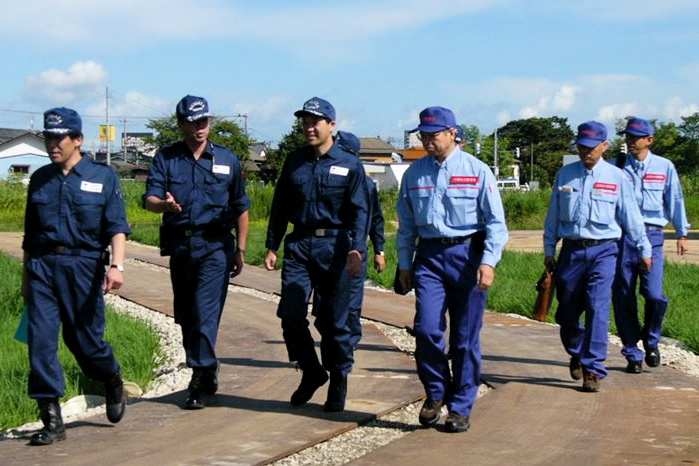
(378, 62)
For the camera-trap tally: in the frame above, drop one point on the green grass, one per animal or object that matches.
(135, 344)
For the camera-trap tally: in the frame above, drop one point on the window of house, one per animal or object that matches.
(19, 169)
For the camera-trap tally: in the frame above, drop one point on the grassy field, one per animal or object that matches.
(135, 344)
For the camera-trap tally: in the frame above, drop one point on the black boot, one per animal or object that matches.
(196, 397)
(54, 430)
(337, 392)
(314, 377)
(209, 380)
(116, 398)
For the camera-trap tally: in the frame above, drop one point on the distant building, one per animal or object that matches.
(375, 149)
(21, 153)
(386, 175)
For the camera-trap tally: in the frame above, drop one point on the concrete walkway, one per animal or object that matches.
(535, 415)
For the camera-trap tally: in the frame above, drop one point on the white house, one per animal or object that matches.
(21, 153)
(386, 175)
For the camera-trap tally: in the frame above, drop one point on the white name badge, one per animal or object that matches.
(222, 169)
(91, 187)
(342, 171)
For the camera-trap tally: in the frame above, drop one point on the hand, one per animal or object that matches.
(682, 246)
(354, 262)
(270, 259)
(405, 277)
(238, 263)
(550, 263)
(379, 263)
(485, 276)
(113, 280)
(645, 264)
(170, 204)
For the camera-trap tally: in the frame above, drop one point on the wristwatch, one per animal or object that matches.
(119, 267)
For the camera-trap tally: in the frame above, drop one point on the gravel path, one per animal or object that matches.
(173, 375)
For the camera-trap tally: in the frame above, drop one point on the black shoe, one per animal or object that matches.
(196, 398)
(311, 381)
(429, 414)
(634, 367)
(53, 430)
(209, 381)
(337, 392)
(575, 367)
(457, 423)
(591, 383)
(652, 357)
(116, 398)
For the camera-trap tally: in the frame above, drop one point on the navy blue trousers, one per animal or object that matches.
(67, 291)
(355, 306)
(200, 286)
(584, 285)
(317, 264)
(445, 280)
(624, 297)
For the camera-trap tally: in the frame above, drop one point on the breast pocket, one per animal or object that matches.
(334, 185)
(653, 197)
(181, 190)
(568, 206)
(603, 208)
(46, 210)
(420, 201)
(215, 193)
(461, 207)
(88, 209)
(302, 188)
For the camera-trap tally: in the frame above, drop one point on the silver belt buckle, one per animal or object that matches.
(320, 232)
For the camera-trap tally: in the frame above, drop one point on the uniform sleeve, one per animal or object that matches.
(115, 209)
(30, 219)
(673, 198)
(359, 200)
(156, 185)
(238, 200)
(407, 230)
(551, 222)
(631, 218)
(279, 212)
(494, 218)
(376, 223)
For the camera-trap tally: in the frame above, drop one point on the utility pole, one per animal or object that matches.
(123, 140)
(531, 163)
(108, 132)
(496, 170)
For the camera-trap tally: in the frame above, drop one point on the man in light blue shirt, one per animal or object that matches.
(449, 203)
(658, 192)
(590, 203)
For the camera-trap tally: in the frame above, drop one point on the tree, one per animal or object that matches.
(292, 141)
(549, 138)
(223, 132)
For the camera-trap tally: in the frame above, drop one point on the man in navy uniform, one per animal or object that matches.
(449, 203)
(74, 211)
(199, 188)
(591, 202)
(322, 192)
(351, 143)
(658, 192)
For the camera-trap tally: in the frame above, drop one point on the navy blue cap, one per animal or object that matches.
(62, 120)
(460, 135)
(638, 127)
(435, 119)
(591, 134)
(348, 142)
(318, 107)
(192, 108)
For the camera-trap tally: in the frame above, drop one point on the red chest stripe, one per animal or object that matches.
(654, 177)
(605, 186)
(463, 180)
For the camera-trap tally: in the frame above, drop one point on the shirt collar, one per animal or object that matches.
(446, 162)
(80, 167)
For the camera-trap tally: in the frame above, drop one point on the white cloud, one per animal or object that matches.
(621, 10)
(82, 81)
(610, 113)
(133, 103)
(561, 101)
(676, 108)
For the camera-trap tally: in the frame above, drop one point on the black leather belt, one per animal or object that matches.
(653, 227)
(319, 232)
(64, 251)
(447, 240)
(586, 243)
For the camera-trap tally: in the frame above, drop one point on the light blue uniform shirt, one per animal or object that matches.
(658, 192)
(593, 204)
(456, 198)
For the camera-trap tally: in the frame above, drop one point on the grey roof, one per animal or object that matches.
(375, 146)
(7, 134)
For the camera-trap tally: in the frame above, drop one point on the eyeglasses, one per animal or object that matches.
(429, 136)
